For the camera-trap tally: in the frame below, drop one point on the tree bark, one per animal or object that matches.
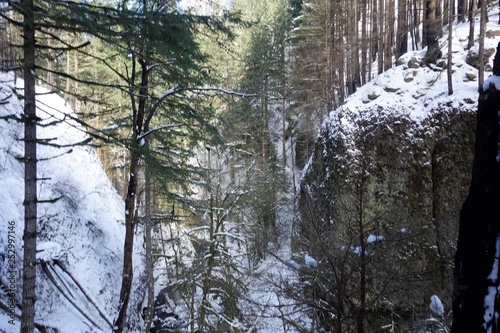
(479, 227)
(30, 171)
(433, 31)
(462, 10)
(449, 71)
(364, 41)
(139, 116)
(402, 32)
(380, 46)
(482, 31)
(149, 248)
(472, 23)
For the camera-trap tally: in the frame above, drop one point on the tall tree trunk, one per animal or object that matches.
(331, 53)
(417, 20)
(364, 41)
(462, 10)
(139, 116)
(68, 82)
(148, 240)
(475, 294)
(449, 71)
(30, 170)
(433, 31)
(75, 74)
(389, 34)
(482, 31)
(472, 23)
(380, 35)
(402, 32)
(360, 197)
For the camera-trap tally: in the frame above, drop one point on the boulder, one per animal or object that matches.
(414, 63)
(473, 56)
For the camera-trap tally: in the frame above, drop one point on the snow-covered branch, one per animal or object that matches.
(143, 135)
(225, 91)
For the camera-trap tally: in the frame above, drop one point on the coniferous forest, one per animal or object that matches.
(253, 166)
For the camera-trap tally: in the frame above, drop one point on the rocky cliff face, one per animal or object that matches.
(380, 197)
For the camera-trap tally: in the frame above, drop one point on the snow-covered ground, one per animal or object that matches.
(80, 237)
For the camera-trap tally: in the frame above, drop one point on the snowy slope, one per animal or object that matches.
(80, 237)
(417, 93)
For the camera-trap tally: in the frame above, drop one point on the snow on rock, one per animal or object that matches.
(310, 261)
(293, 264)
(491, 295)
(436, 305)
(373, 239)
(492, 81)
(83, 231)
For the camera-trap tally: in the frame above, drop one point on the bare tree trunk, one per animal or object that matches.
(418, 9)
(139, 115)
(449, 71)
(389, 34)
(380, 36)
(364, 41)
(68, 82)
(360, 197)
(472, 23)
(350, 16)
(482, 30)
(374, 34)
(30, 170)
(402, 32)
(330, 54)
(149, 248)
(462, 10)
(75, 74)
(433, 31)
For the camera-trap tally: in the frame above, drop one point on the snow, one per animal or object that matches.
(373, 239)
(492, 81)
(436, 306)
(310, 261)
(48, 251)
(292, 263)
(489, 299)
(83, 231)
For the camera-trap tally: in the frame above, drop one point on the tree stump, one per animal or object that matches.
(476, 295)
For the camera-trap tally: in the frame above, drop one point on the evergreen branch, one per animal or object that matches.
(68, 47)
(91, 83)
(144, 135)
(160, 100)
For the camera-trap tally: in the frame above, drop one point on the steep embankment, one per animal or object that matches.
(80, 235)
(380, 197)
